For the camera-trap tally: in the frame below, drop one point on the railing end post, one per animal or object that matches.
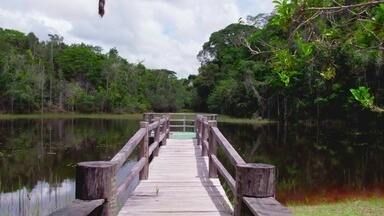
(97, 180)
(253, 180)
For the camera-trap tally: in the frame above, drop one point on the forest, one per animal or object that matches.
(51, 76)
(308, 59)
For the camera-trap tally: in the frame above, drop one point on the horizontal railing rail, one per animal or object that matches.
(180, 121)
(253, 185)
(96, 189)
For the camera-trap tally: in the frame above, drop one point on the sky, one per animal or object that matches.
(164, 34)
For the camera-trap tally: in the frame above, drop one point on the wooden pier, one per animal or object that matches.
(177, 176)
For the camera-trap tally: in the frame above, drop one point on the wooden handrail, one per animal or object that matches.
(224, 172)
(97, 180)
(79, 208)
(128, 148)
(131, 176)
(227, 147)
(254, 185)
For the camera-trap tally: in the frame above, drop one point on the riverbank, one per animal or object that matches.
(368, 207)
(70, 116)
(139, 116)
(236, 120)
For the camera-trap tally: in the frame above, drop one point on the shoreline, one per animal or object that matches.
(134, 116)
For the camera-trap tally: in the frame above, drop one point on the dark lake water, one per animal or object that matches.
(315, 164)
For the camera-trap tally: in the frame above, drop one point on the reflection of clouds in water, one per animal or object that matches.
(42, 200)
(45, 198)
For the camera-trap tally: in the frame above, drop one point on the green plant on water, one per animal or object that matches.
(363, 96)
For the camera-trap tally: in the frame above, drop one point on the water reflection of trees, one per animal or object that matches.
(35, 150)
(314, 159)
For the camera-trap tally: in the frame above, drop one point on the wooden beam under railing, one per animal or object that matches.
(254, 184)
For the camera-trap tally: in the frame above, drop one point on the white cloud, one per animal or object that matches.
(163, 33)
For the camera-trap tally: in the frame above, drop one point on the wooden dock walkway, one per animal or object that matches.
(178, 184)
(177, 176)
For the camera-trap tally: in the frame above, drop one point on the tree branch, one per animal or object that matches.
(346, 7)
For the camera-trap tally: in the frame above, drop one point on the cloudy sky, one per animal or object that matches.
(162, 33)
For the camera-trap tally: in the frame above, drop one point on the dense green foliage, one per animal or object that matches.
(308, 59)
(51, 76)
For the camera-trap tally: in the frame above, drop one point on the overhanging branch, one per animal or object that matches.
(346, 7)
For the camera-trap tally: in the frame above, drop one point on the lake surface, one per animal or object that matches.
(37, 159)
(327, 163)
(315, 164)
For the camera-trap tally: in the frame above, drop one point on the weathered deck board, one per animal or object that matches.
(178, 184)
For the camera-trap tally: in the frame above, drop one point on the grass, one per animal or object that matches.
(235, 120)
(369, 207)
(221, 118)
(70, 116)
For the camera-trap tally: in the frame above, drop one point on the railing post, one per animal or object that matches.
(164, 131)
(183, 123)
(97, 180)
(157, 136)
(212, 150)
(200, 125)
(204, 132)
(168, 125)
(253, 180)
(144, 151)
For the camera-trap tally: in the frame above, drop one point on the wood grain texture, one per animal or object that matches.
(79, 208)
(266, 207)
(212, 149)
(224, 172)
(144, 151)
(131, 176)
(157, 136)
(96, 180)
(128, 148)
(230, 152)
(256, 180)
(178, 184)
(204, 143)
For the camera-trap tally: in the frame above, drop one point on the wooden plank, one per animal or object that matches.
(231, 153)
(180, 213)
(224, 172)
(152, 147)
(128, 148)
(182, 120)
(182, 126)
(266, 207)
(178, 184)
(131, 176)
(79, 208)
(95, 180)
(153, 125)
(144, 151)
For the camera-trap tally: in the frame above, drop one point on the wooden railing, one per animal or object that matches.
(253, 185)
(96, 189)
(182, 122)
